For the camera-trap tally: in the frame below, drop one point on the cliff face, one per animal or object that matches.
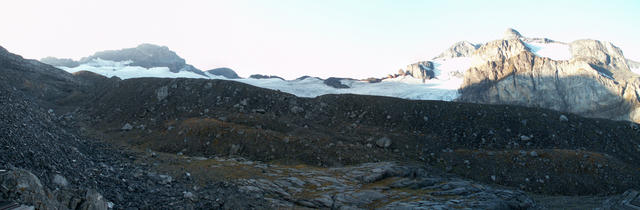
(595, 82)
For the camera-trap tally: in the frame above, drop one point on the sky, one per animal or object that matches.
(292, 38)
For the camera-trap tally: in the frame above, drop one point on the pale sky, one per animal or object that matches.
(292, 38)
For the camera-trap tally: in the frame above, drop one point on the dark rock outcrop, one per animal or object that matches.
(225, 72)
(260, 76)
(336, 82)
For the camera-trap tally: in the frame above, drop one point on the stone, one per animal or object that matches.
(296, 109)
(190, 196)
(126, 127)
(60, 180)
(94, 201)
(383, 142)
(564, 118)
(162, 93)
(165, 179)
(235, 148)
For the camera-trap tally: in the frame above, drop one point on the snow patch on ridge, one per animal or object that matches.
(555, 51)
(636, 70)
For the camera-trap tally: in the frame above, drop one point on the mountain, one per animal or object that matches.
(144, 56)
(225, 72)
(587, 77)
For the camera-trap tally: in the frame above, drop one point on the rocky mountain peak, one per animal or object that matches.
(511, 33)
(604, 53)
(459, 49)
(498, 50)
(144, 55)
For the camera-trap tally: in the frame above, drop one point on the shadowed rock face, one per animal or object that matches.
(596, 82)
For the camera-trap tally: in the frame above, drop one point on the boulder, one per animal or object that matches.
(383, 142)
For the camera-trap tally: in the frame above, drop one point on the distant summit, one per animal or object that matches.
(511, 33)
(225, 72)
(459, 49)
(144, 55)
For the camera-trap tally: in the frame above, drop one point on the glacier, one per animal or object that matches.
(444, 87)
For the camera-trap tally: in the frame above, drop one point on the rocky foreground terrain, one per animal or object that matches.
(84, 141)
